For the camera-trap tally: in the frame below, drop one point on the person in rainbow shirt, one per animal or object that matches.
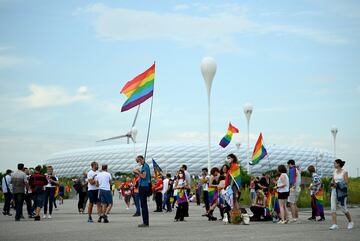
(294, 181)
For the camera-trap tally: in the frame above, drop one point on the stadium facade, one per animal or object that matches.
(121, 158)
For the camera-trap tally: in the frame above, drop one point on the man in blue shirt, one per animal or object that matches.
(143, 189)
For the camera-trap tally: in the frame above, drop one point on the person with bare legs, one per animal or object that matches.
(104, 182)
(282, 187)
(93, 190)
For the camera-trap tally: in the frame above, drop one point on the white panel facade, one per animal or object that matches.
(171, 156)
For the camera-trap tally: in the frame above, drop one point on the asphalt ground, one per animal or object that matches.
(67, 224)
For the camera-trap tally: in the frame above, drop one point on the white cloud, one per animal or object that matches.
(120, 24)
(53, 96)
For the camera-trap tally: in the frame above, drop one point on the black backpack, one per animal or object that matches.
(77, 186)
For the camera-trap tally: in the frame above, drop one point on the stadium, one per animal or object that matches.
(121, 158)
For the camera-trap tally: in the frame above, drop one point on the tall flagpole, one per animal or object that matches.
(148, 132)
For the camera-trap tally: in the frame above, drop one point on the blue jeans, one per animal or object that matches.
(143, 191)
(137, 202)
(49, 198)
(19, 202)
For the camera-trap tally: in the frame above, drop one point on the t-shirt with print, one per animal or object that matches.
(104, 179)
(91, 175)
(144, 182)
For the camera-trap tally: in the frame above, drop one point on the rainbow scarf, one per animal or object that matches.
(235, 174)
(139, 89)
(213, 195)
(259, 151)
(227, 138)
(182, 196)
(270, 203)
(273, 202)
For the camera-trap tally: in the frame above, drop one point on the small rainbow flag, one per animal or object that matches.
(157, 170)
(259, 151)
(227, 138)
(235, 174)
(139, 89)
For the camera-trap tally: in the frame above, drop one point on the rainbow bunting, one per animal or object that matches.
(259, 151)
(157, 170)
(139, 89)
(235, 174)
(213, 195)
(227, 138)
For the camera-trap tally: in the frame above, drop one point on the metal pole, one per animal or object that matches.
(248, 146)
(209, 134)
(334, 146)
(148, 133)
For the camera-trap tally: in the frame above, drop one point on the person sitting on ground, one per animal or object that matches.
(258, 207)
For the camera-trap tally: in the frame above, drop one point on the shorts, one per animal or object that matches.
(334, 202)
(93, 196)
(293, 196)
(105, 196)
(283, 195)
(39, 199)
(61, 194)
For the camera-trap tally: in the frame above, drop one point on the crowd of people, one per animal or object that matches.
(270, 195)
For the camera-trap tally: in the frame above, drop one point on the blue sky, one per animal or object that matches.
(63, 63)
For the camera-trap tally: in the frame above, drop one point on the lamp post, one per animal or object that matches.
(248, 109)
(334, 131)
(238, 145)
(208, 70)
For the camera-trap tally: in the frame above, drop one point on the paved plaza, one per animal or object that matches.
(66, 224)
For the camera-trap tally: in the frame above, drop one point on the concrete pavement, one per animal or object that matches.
(67, 224)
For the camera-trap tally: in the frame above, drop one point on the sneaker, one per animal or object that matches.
(37, 218)
(136, 215)
(99, 220)
(44, 216)
(90, 219)
(312, 219)
(106, 219)
(281, 222)
(350, 225)
(334, 227)
(4, 213)
(49, 217)
(9, 214)
(321, 220)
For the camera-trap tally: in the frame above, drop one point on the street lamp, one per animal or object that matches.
(334, 131)
(208, 70)
(248, 109)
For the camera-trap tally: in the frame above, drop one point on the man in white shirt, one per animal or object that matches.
(165, 188)
(103, 181)
(7, 190)
(93, 190)
(205, 181)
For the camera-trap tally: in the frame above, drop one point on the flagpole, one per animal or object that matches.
(148, 132)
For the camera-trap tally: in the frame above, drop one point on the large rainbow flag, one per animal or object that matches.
(273, 202)
(227, 138)
(157, 170)
(235, 174)
(259, 151)
(317, 202)
(139, 89)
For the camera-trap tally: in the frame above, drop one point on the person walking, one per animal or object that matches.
(294, 181)
(159, 185)
(145, 182)
(317, 195)
(93, 191)
(7, 191)
(37, 182)
(104, 182)
(136, 196)
(82, 192)
(181, 186)
(50, 191)
(282, 187)
(339, 194)
(19, 182)
(204, 179)
(28, 196)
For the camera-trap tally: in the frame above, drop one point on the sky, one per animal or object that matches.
(63, 64)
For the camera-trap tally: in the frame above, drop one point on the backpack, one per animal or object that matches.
(77, 186)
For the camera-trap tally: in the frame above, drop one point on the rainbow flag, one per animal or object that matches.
(157, 170)
(181, 196)
(276, 202)
(213, 195)
(235, 174)
(139, 89)
(317, 202)
(259, 151)
(227, 138)
(270, 202)
(292, 175)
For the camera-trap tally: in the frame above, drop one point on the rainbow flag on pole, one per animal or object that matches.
(157, 170)
(227, 138)
(259, 151)
(139, 89)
